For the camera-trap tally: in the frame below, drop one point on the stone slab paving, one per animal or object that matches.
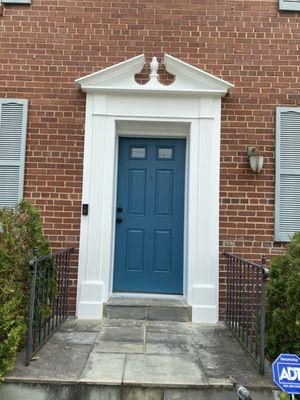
(169, 338)
(118, 347)
(144, 302)
(104, 369)
(67, 337)
(169, 349)
(164, 370)
(76, 325)
(122, 334)
(58, 363)
(142, 354)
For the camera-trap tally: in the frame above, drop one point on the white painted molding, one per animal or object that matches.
(120, 78)
(126, 69)
(119, 106)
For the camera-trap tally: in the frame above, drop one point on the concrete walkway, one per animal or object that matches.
(163, 356)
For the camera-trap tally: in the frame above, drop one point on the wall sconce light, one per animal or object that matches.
(255, 158)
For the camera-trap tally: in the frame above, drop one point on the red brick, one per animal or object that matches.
(46, 46)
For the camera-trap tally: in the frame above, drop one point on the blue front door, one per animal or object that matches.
(149, 216)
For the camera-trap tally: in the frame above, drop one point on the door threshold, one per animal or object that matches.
(148, 295)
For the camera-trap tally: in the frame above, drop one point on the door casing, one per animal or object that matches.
(192, 101)
(97, 242)
(159, 130)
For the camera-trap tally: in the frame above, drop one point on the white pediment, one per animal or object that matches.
(121, 78)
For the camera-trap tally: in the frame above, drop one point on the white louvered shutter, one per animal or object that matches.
(291, 5)
(287, 204)
(13, 124)
(16, 1)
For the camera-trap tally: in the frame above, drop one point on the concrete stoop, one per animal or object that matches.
(148, 309)
(48, 391)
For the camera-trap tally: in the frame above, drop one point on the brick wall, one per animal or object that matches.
(45, 46)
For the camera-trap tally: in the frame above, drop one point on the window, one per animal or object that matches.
(287, 204)
(13, 123)
(291, 5)
(138, 152)
(165, 153)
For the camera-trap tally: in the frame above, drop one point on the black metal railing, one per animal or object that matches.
(246, 304)
(49, 292)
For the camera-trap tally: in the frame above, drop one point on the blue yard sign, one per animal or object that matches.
(286, 373)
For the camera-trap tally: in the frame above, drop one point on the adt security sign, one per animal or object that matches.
(286, 373)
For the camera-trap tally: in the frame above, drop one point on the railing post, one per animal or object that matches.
(32, 267)
(263, 316)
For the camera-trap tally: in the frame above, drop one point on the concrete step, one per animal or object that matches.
(50, 391)
(147, 309)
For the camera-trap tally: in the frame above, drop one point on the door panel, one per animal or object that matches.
(149, 217)
(137, 191)
(162, 251)
(164, 192)
(135, 248)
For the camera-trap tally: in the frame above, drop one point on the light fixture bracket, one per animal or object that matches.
(251, 151)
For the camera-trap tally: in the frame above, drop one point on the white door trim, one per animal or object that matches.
(152, 112)
(96, 263)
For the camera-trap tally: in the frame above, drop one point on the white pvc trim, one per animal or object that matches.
(118, 106)
(96, 255)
